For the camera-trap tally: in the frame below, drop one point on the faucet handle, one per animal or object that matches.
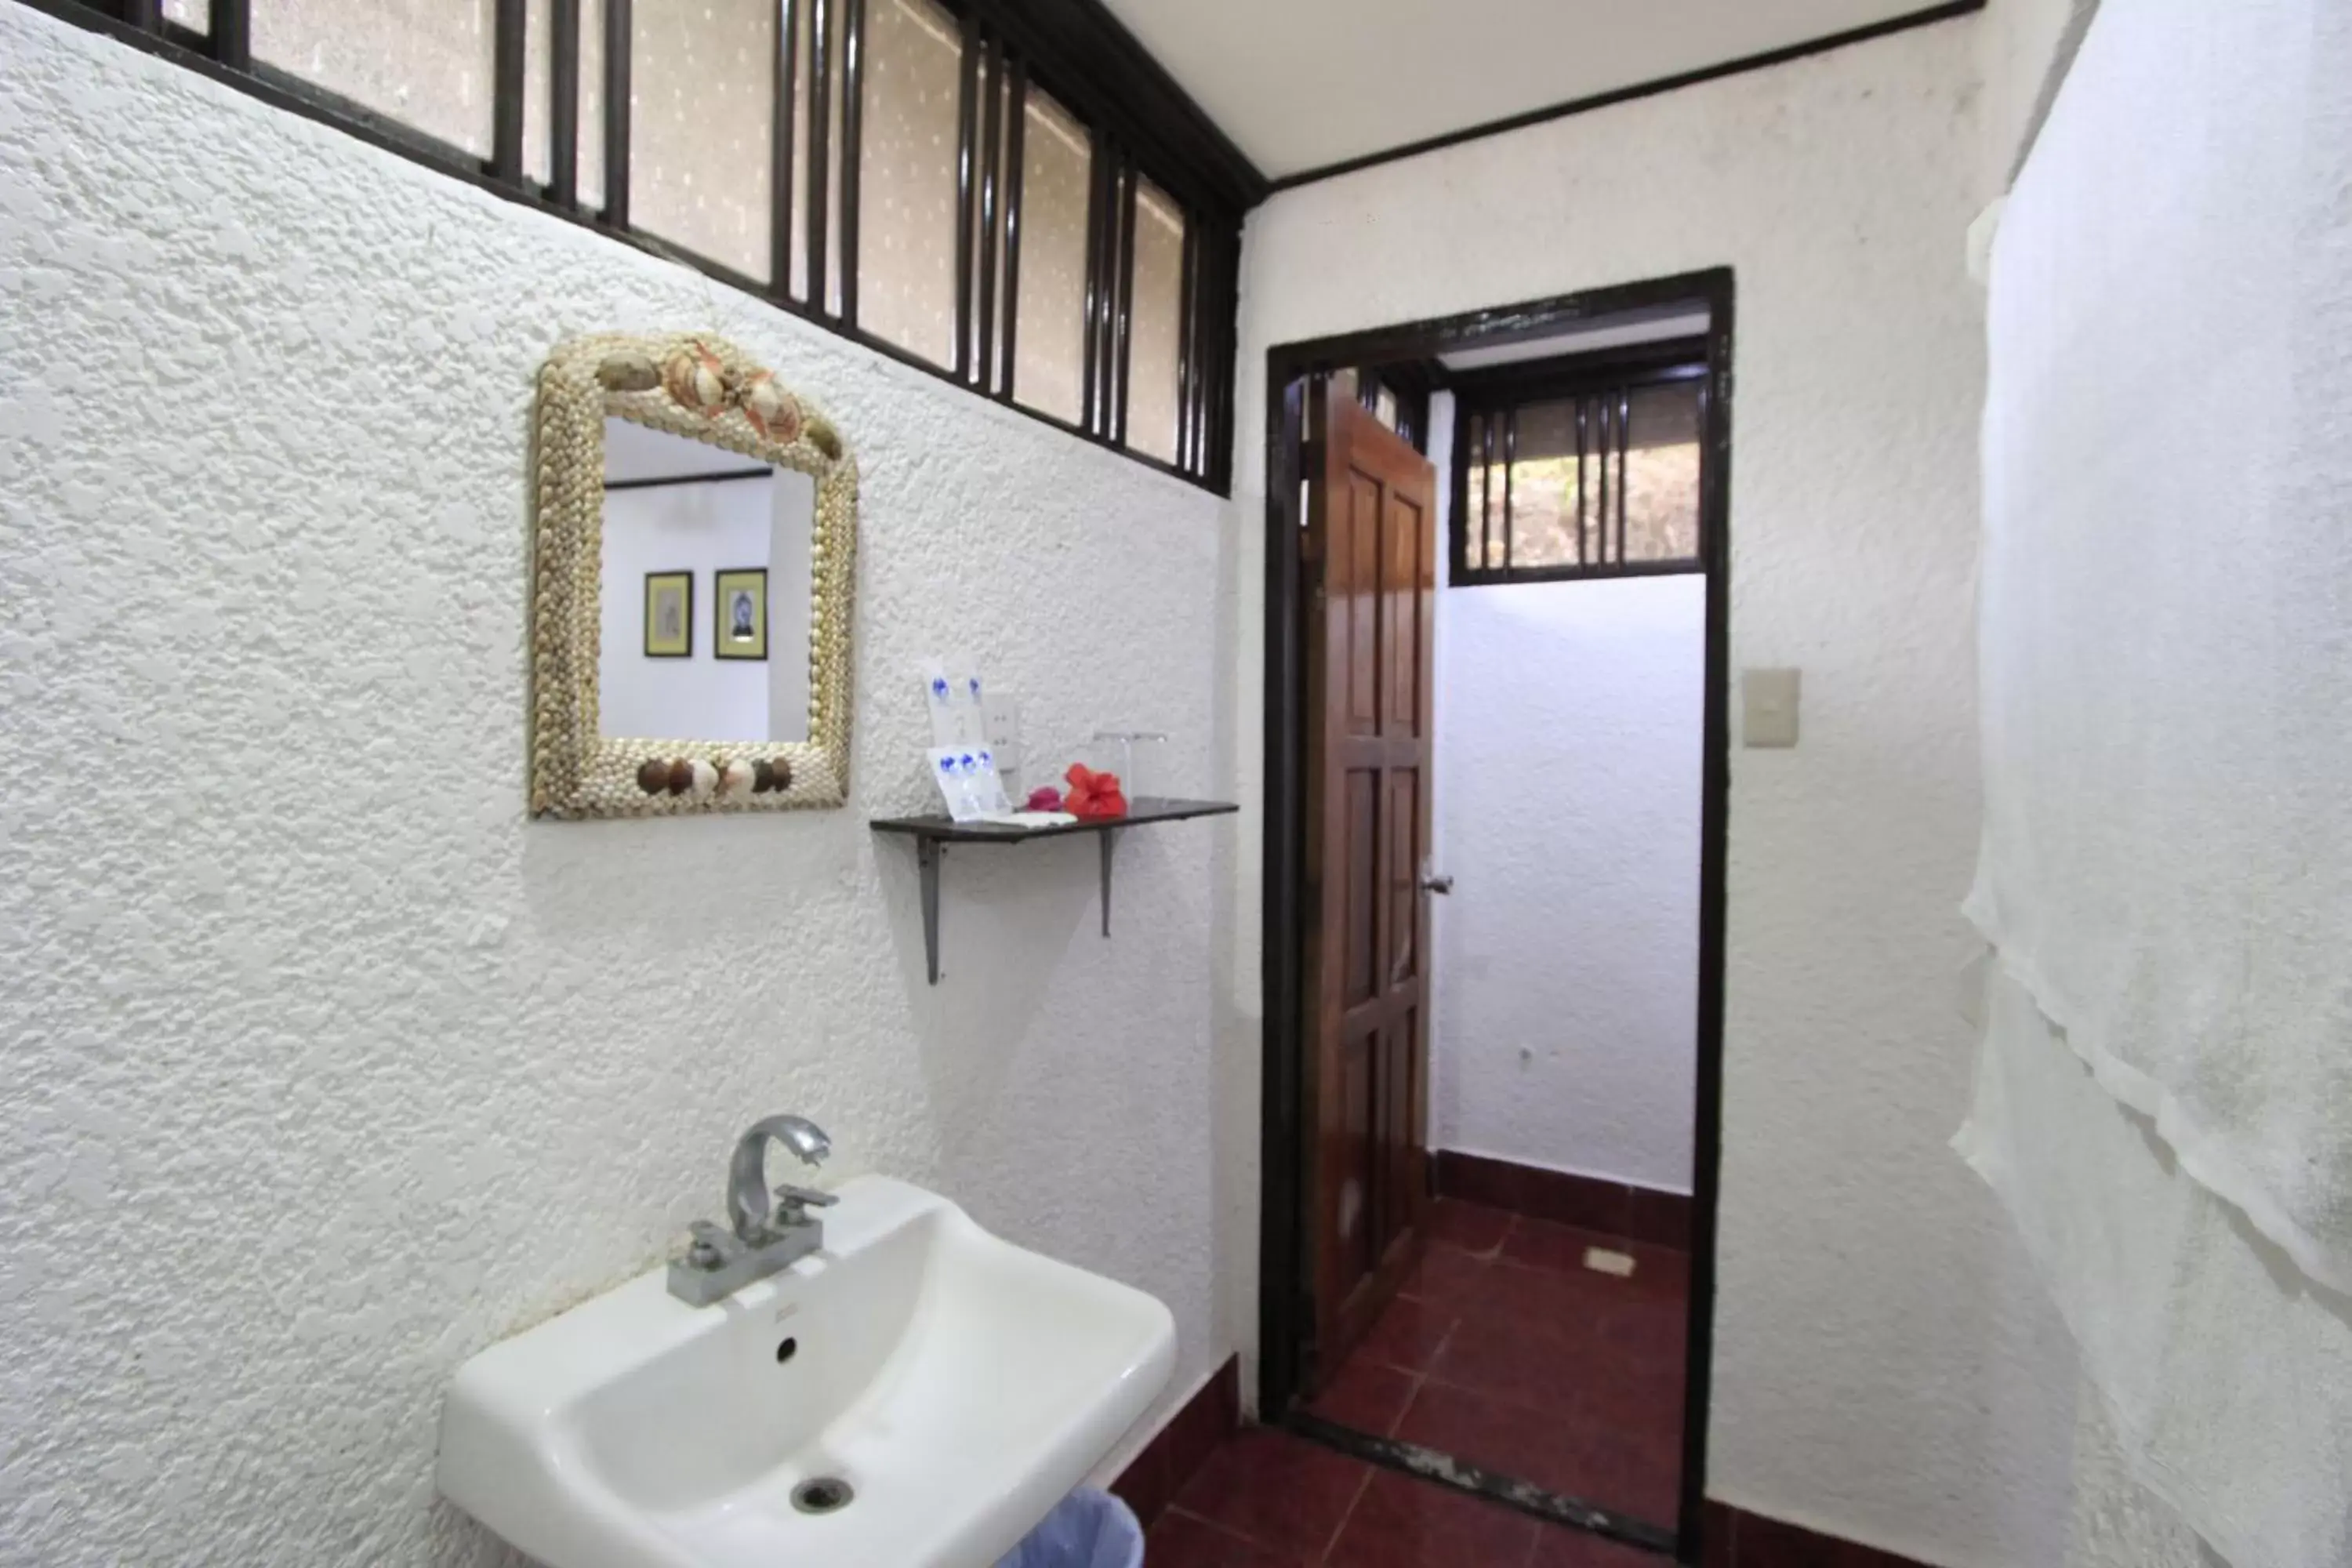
(706, 1246)
(794, 1198)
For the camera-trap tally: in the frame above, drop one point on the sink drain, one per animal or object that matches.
(825, 1494)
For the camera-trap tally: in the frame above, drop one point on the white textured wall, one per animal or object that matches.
(1567, 1032)
(1884, 1367)
(323, 1068)
(2024, 48)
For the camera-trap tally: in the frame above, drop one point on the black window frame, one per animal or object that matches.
(1142, 126)
(1503, 390)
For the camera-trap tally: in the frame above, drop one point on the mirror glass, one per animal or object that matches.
(705, 592)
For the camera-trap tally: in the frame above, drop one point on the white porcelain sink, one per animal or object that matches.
(959, 1385)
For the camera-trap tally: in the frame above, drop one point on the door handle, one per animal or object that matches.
(1440, 885)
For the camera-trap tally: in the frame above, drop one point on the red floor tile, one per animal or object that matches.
(1662, 1217)
(1649, 1418)
(1544, 1369)
(1547, 1300)
(1633, 1472)
(1560, 1547)
(1401, 1522)
(1575, 1376)
(1470, 1227)
(1654, 1325)
(1559, 1294)
(1543, 1339)
(1282, 1492)
(1541, 1244)
(1579, 1307)
(1448, 1277)
(1636, 1472)
(1508, 1362)
(1408, 1334)
(1528, 1363)
(1494, 1433)
(1718, 1541)
(1663, 1268)
(1183, 1540)
(1368, 1396)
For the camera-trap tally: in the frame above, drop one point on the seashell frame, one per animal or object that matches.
(707, 390)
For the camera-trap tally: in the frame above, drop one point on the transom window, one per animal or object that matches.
(1010, 197)
(1591, 475)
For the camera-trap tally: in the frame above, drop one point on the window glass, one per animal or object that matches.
(1470, 454)
(907, 208)
(1001, 374)
(1155, 324)
(537, 67)
(539, 55)
(425, 63)
(837, 15)
(1660, 473)
(702, 126)
(1057, 169)
(797, 284)
(704, 160)
(1544, 515)
(592, 103)
(1592, 480)
(1486, 538)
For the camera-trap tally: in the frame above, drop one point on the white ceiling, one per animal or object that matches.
(1300, 84)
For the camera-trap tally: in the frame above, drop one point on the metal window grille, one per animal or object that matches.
(1581, 475)
(1090, 69)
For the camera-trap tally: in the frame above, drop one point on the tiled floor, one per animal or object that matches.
(1267, 1500)
(1505, 1350)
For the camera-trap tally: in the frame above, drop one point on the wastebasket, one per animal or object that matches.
(1088, 1529)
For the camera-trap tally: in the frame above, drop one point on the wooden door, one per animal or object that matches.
(1370, 578)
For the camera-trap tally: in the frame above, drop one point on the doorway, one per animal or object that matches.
(1351, 1192)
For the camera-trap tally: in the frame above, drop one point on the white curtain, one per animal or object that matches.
(2166, 877)
(2166, 611)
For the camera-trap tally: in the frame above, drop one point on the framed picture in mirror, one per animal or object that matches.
(740, 629)
(669, 615)
(665, 463)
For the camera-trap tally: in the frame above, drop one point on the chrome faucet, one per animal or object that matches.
(764, 1239)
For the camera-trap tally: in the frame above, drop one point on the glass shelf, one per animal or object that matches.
(932, 834)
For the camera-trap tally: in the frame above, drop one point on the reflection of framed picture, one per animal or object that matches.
(739, 619)
(669, 615)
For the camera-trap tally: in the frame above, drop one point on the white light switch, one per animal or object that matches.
(1768, 707)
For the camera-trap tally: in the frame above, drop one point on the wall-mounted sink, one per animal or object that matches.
(918, 1394)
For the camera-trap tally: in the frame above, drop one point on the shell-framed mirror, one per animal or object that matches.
(694, 545)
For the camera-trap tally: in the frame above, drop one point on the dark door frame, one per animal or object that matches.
(1285, 1308)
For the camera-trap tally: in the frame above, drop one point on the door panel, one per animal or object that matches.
(1361, 1094)
(1402, 869)
(1400, 1113)
(1370, 524)
(1404, 524)
(1359, 898)
(1358, 592)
